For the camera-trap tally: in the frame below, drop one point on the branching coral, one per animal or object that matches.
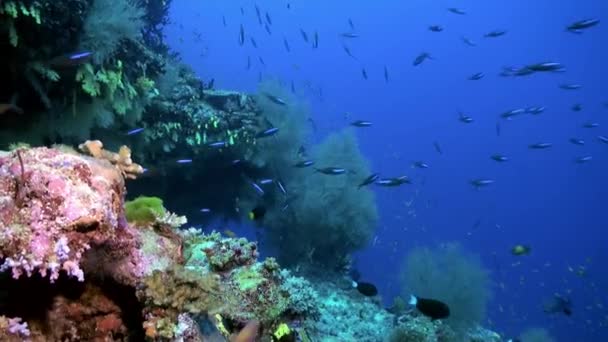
(122, 160)
(13, 329)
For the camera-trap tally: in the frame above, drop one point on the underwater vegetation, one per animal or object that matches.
(328, 216)
(449, 274)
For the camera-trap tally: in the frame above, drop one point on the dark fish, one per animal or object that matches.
(579, 26)
(457, 10)
(224, 21)
(304, 163)
(267, 133)
(582, 160)
(421, 58)
(577, 107)
(286, 43)
(476, 76)
(386, 74)
(261, 60)
(242, 35)
(431, 308)
(371, 179)
(366, 289)
(361, 123)
(304, 35)
(348, 52)
(558, 304)
(481, 182)
(293, 88)
(242, 11)
(313, 124)
(364, 73)
(267, 28)
(570, 86)
(499, 158)
(603, 139)
(391, 182)
(268, 19)
(577, 141)
(498, 129)
(257, 213)
(248, 62)
(255, 45)
(468, 42)
(546, 67)
(437, 147)
(349, 35)
(519, 250)
(540, 146)
(257, 11)
(275, 99)
(350, 23)
(591, 125)
(331, 171)
(135, 131)
(420, 165)
(315, 41)
(435, 28)
(495, 33)
(71, 60)
(465, 118)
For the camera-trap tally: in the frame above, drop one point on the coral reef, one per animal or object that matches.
(77, 225)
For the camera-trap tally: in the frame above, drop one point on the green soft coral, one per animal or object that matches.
(16, 9)
(89, 79)
(144, 209)
(112, 84)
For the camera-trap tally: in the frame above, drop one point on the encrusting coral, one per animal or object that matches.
(53, 207)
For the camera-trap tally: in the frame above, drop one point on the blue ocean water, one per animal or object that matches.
(541, 198)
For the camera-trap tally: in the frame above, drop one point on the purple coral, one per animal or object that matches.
(18, 328)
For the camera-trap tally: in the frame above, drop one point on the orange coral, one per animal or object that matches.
(122, 159)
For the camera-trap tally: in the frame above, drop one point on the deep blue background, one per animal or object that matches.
(541, 198)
